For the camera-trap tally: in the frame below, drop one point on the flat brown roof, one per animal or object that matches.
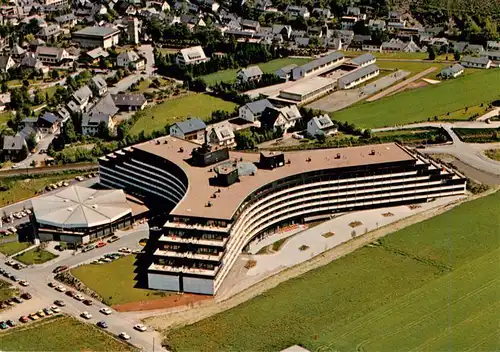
(199, 190)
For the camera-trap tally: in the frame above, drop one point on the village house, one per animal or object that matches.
(249, 74)
(252, 111)
(193, 129)
(321, 125)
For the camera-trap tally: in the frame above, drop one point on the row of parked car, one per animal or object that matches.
(15, 300)
(13, 277)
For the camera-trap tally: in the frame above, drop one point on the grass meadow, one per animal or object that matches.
(176, 110)
(229, 75)
(424, 103)
(432, 286)
(60, 334)
(35, 256)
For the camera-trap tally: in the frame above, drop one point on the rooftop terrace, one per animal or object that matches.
(227, 201)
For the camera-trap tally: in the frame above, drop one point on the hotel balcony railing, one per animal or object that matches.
(180, 225)
(189, 255)
(183, 269)
(203, 242)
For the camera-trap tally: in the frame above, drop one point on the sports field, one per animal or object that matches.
(433, 286)
(176, 110)
(59, 334)
(266, 67)
(423, 103)
(115, 281)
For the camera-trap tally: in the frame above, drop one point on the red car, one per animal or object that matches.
(60, 269)
(24, 319)
(100, 244)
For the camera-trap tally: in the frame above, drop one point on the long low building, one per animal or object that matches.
(358, 76)
(318, 65)
(221, 200)
(93, 37)
(308, 89)
(78, 215)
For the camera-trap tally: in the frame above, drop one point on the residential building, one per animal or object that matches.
(358, 76)
(322, 13)
(493, 45)
(492, 55)
(252, 111)
(374, 24)
(191, 56)
(66, 21)
(6, 63)
(452, 71)
(193, 129)
(221, 135)
(321, 125)
(250, 25)
(48, 123)
(347, 22)
(129, 101)
(358, 40)
(223, 200)
(397, 45)
(284, 118)
(131, 59)
(476, 62)
(93, 37)
(17, 52)
(80, 99)
(323, 63)
(96, 54)
(297, 11)
(14, 147)
(51, 55)
(92, 120)
(98, 85)
(249, 74)
(49, 33)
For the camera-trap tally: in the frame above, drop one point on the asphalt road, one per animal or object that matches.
(44, 296)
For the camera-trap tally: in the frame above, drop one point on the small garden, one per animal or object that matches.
(36, 255)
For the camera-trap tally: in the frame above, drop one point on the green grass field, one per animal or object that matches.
(59, 334)
(6, 290)
(229, 75)
(433, 286)
(35, 256)
(176, 110)
(11, 248)
(114, 281)
(420, 104)
(493, 154)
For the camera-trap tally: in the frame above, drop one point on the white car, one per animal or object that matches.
(12, 229)
(125, 250)
(140, 327)
(124, 336)
(79, 178)
(105, 311)
(61, 288)
(79, 297)
(86, 315)
(55, 309)
(24, 283)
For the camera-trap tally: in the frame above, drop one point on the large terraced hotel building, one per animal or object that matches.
(220, 200)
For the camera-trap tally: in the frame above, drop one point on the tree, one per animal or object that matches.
(69, 132)
(432, 52)
(103, 130)
(456, 55)
(54, 74)
(31, 141)
(367, 133)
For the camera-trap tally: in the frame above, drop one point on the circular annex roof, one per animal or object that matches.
(77, 207)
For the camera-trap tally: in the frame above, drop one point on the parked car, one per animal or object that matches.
(17, 299)
(26, 295)
(105, 311)
(14, 278)
(102, 324)
(124, 336)
(79, 178)
(24, 319)
(86, 315)
(100, 244)
(48, 311)
(113, 239)
(87, 302)
(40, 313)
(61, 288)
(125, 250)
(59, 269)
(24, 283)
(3, 325)
(55, 309)
(70, 293)
(10, 262)
(34, 316)
(140, 327)
(11, 323)
(51, 284)
(18, 266)
(88, 248)
(78, 297)
(59, 303)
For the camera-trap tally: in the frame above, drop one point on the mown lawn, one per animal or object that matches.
(11, 248)
(20, 189)
(115, 281)
(60, 333)
(6, 290)
(176, 110)
(229, 75)
(493, 154)
(35, 256)
(424, 103)
(432, 286)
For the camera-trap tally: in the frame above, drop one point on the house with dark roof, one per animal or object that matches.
(286, 117)
(51, 55)
(321, 125)
(102, 112)
(192, 129)
(14, 148)
(6, 63)
(452, 71)
(297, 11)
(50, 32)
(17, 52)
(66, 21)
(249, 74)
(48, 123)
(252, 111)
(80, 99)
(476, 62)
(250, 25)
(129, 101)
